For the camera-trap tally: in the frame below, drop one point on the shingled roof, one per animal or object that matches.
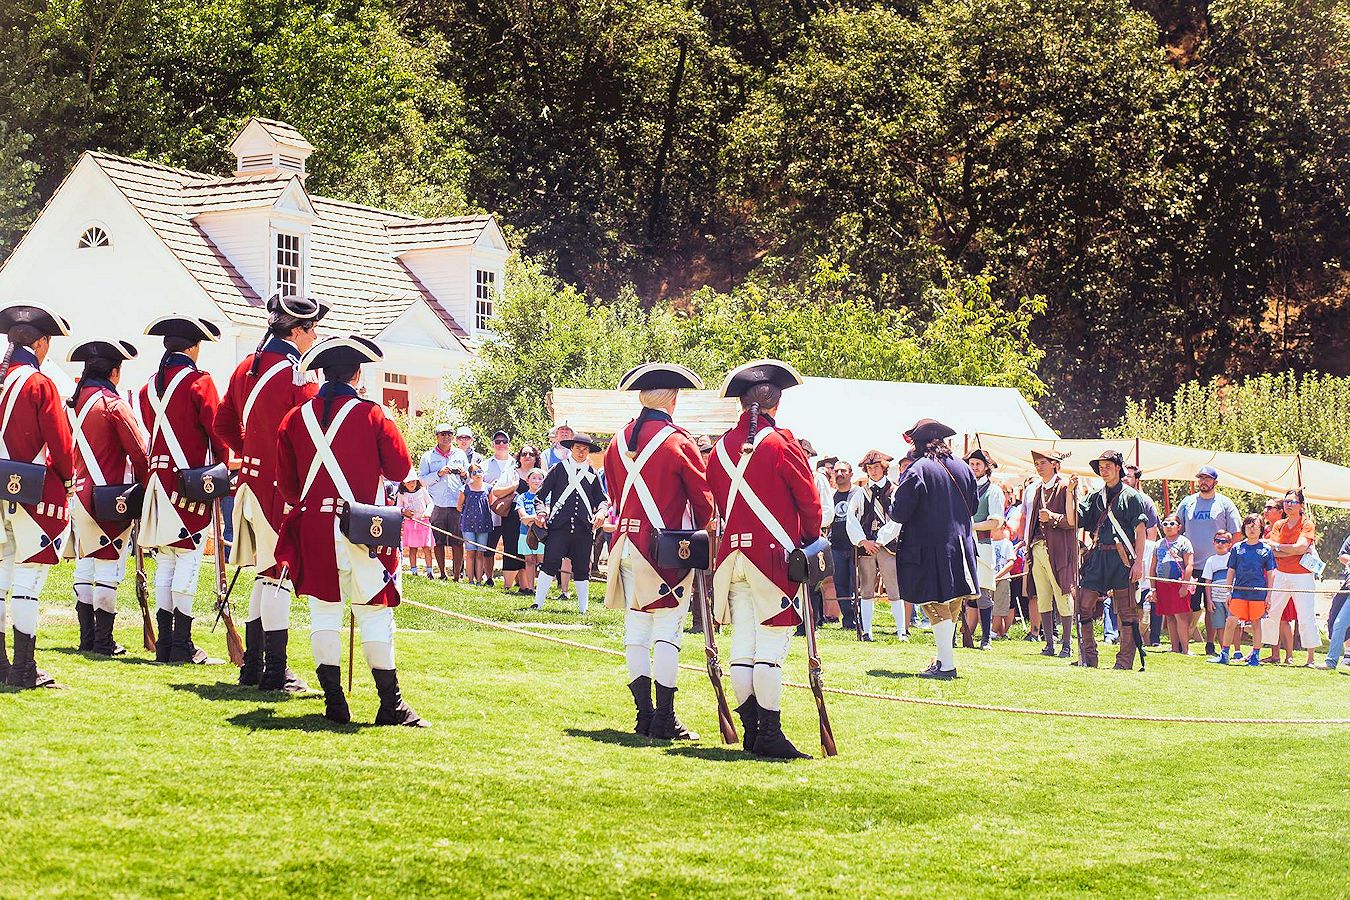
(353, 250)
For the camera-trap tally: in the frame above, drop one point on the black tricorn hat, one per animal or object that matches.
(581, 437)
(926, 430)
(103, 348)
(982, 457)
(1112, 456)
(760, 371)
(296, 307)
(190, 327)
(36, 315)
(655, 375)
(352, 350)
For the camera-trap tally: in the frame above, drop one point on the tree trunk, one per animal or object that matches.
(656, 212)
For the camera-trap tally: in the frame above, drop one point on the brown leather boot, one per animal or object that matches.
(1087, 644)
(1125, 655)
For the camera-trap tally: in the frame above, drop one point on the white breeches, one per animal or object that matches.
(1296, 588)
(21, 582)
(176, 573)
(657, 633)
(96, 581)
(757, 651)
(376, 624)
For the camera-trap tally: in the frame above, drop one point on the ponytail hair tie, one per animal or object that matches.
(749, 444)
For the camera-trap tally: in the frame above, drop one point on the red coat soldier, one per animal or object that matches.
(655, 478)
(266, 386)
(178, 406)
(36, 466)
(335, 451)
(109, 459)
(767, 497)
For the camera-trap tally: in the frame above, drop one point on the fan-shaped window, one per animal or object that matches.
(94, 237)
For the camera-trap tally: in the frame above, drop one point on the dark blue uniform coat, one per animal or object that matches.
(934, 502)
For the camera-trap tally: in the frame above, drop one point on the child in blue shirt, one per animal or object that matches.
(1251, 572)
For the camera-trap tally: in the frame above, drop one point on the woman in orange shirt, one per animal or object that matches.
(1292, 537)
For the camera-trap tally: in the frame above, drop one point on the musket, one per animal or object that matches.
(143, 594)
(857, 595)
(234, 644)
(351, 650)
(724, 720)
(827, 746)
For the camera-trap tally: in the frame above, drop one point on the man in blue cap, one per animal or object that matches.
(1203, 515)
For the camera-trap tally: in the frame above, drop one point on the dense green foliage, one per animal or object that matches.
(547, 337)
(1170, 176)
(144, 780)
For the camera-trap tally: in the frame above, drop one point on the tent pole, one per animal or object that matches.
(1298, 469)
(1167, 497)
(1137, 463)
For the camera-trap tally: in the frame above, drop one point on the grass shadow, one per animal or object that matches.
(717, 753)
(229, 690)
(125, 659)
(887, 673)
(610, 736)
(265, 718)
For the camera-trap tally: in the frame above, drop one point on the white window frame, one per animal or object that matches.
(298, 266)
(93, 237)
(484, 298)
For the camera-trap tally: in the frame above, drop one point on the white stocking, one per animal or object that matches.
(105, 598)
(541, 589)
(901, 620)
(666, 663)
(183, 603)
(165, 563)
(583, 596)
(944, 633)
(25, 612)
(325, 632)
(255, 600)
(639, 661)
(869, 608)
(768, 685)
(742, 680)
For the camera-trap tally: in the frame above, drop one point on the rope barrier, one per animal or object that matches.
(462, 539)
(1319, 591)
(895, 698)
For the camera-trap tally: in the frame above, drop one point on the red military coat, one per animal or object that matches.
(190, 402)
(109, 449)
(34, 428)
(368, 449)
(672, 472)
(779, 476)
(248, 422)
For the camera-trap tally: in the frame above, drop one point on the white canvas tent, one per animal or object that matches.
(840, 416)
(1271, 474)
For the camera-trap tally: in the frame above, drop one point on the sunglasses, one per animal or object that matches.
(1222, 541)
(523, 453)
(1171, 524)
(500, 443)
(1270, 507)
(1293, 503)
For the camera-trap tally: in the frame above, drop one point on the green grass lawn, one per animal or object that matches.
(141, 780)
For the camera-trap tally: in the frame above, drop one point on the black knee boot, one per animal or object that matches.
(334, 701)
(642, 699)
(84, 612)
(393, 709)
(164, 640)
(104, 643)
(771, 743)
(23, 672)
(986, 626)
(275, 675)
(666, 725)
(4, 660)
(251, 670)
(184, 651)
(749, 713)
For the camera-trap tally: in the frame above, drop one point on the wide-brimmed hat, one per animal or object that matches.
(352, 350)
(1111, 456)
(296, 307)
(760, 371)
(581, 437)
(190, 327)
(656, 375)
(874, 456)
(807, 447)
(827, 462)
(36, 315)
(982, 457)
(103, 348)
(926, 430)
(1053, 455)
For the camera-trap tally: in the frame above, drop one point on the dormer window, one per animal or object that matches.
(289, 264)
(485, 292)
(94, 236)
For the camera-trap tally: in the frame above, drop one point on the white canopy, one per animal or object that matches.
(1271, 474)
(839, 416)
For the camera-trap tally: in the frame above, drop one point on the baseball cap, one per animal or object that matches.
(444, 428)
(464, 431)
(500, 435)
(1208, 472)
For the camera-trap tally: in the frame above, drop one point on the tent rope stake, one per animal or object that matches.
(895, 698)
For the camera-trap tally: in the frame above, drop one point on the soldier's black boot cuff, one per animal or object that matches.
(394, 710)
(104, 643)
(164, 639)
(749, 713)
(666, 725)
(641, 688)
(334, 701)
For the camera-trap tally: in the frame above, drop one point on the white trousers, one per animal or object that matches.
(757, 651)
(1296, 588)
(176, 572)
(651, 640)
(21, 583)
(376, 624)
(96, 581)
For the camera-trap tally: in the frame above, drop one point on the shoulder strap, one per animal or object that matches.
(323, 450)
(258, 386)
(1124, 539)
(13, 387)
(633, 480)
(964, 501)
(740, 489)
(82, 441)
(160, 404)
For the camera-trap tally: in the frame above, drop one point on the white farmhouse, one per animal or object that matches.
(122, 242)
